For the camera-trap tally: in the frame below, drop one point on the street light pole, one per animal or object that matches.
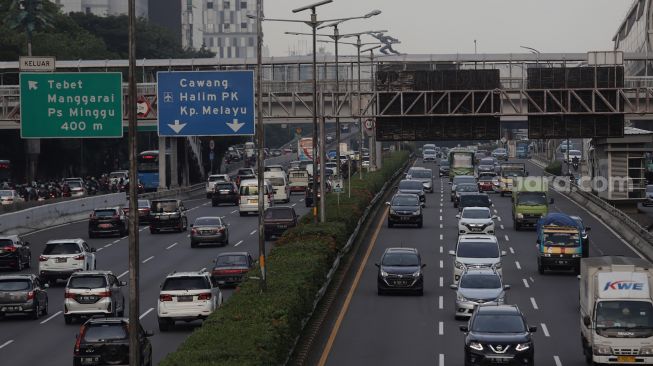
(360, 108)
(315, 114)
(260, 141)
(336, 38)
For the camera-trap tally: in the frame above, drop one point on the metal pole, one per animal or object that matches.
(316, 104)
(348, 176)
(360, 109)
(260, 134)
(134, 308)
(372, 139)
(336, 38)
(322, 173)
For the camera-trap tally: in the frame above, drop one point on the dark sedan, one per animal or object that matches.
(14, 253)
(400, 270)
(107, 221)
(277, 220)
(409, 186)
(209, 230)
(225, 192)
(463, 188)
(143, 211)
(444, 168)
(405, 209)
(230, 268)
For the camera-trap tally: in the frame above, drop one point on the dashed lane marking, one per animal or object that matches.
(172, 246)
(441, 238)
(499, 218)
(545, 330)
(517, 265)
(526, 283)
(116, 241)
(440, 218)
(100, 249)
(253, 232)
(441, 263)
(441, 302)
(52, 317)
(502, 228)
(441, 281)
(441, 249)
(6, 343)
(534, 303)
(556, 359)
(441, 328)
(301, 200)
(507, 238)
(234, 211)
(123, 274)
(237, 244)
(145, 313)
(108, 245)
(293, 205)
(148, 259)
(441, 226)
(512, 251)
(441, 359)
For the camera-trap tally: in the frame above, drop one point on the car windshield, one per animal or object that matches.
(487, 161)
(215, 178)
(185, 283)
(467, 188)
(279, 214)
(6, 193)
(411, 185)
(61, 248)
(531, 198)
(74, 184)
(276, 181)
(224, 186)
(421, 174)
(474, 200)
(561, 240)
(498, 323)
(405, 201)
(471, 249)
(208, 221)
(143, 204)
(624, 314)
(463, 179)
(463, 160)
(429, 152)
(476, 214)
(479, 281)
(574, 152)
(400, 260)
(104, 213)
(15, 285)
(165, 206)
(512, 173)
(87, 282)
(245, 172)
(105, 332)
(231, 261)
(248, 190)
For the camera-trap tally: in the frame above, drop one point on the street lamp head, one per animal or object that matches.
(312, 6)
(373, 13)
(251, 16)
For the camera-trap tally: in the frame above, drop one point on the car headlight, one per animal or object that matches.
(417, 274)
(497, 265)
(576, 255)
(384, 273)
(522, 347)
(501, 299)
(475, 345)
(393, 212)
(601, 349)
(520, 215)
(646, 351)
(459, 265)
(417, 213)
(460, 297)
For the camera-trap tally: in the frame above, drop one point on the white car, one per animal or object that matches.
(9, 196)
(213, 179)
(476, 220)
(429, 156)
(187, 296)
(61, 258)
(574, 154)
(89, 293)
(476, 251)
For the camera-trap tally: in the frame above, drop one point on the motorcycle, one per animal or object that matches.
(574, 163)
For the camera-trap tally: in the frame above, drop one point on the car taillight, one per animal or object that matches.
(204, 296)
(221, 230)
(79, 257)
(30, 295)
(104, 294)
(193, 231)
(69, 295)
(9, 249)
(43, 258)
(165, 297)
(78, 342)
(228, 271)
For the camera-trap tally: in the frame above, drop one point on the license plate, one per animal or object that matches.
(252, 201)
(61, 260)
(184, 298)
(105, 226)
(87, 298)
(90, 360)
(282, 226)
(562, 262)
(12, 308)
(401, 283)
(500, 360)
(163, 218)
(476, 229)
(625, 358)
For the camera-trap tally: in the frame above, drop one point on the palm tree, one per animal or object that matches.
(29, 16)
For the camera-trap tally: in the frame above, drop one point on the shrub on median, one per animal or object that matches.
(254, 328)
(554, 168)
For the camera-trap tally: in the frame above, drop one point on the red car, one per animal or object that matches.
(485, 184)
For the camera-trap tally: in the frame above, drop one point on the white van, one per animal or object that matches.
(249, 196)
(213, 179)
(279, 185)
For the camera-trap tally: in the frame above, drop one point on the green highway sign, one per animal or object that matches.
(71, 105)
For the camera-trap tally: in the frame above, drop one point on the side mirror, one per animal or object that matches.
(123, 283)
(148, 333)
(532, 329)
(586, 321)
(423, 204)
(457, 216)
(504, 253)
(423, 265)
(464, 328)
(191, 225)
(506, 287)
(551, 201)
(450, 183)
(377, 265)
(453, 287)
(452, 253)
(387, 203)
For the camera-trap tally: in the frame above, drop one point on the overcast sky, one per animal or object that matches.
(451, 26)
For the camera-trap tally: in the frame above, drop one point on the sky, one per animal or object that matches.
(451, 26)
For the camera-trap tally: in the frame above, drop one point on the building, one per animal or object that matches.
(221, 26)
(632, 36)
(102, 8)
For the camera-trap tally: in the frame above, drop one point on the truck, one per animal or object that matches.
(559, 243)
(530, 200)
(508, 171)
(305, 149)
(461, 162)
(522, 150)
(616, 310)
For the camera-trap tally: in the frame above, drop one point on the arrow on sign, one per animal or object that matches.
(32, 85)
(177, 127)
(235, 125)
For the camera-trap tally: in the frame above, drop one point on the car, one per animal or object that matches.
(477, 287)
(474, 199)
(486, 165)
(475, 220)
(212, 180)
(108, 221)
(143, 211)
(115, 177)
(476, 251)
(9, 197)
(186, 296)
(276, 152)
(91, 293)
(279, 182)
(15, 253)
(62, 257)
(444, 168)
(460, 179)
(409, 186)
(366, 162)
(649, 196)
(405, 209)
(277, 220)
(23, 294)
(209, 229)
(274, 168)
(486, 182)
(429, 155)
(500, 154)
(400, 270)
(461, 189)
(423, 175)
(244, 174)
(498, 334)
(479, 155)
(230, 268)
(168, 214)
(249, 195)
(105, 341)
(225, 192)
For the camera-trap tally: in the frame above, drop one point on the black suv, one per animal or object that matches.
(405, 209)
(498, 334)
(400, 270)
(107, 221)
(15, 253)
(225, 192)
(168, 214)
(105, 341)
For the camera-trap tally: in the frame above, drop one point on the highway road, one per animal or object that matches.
(411, 330)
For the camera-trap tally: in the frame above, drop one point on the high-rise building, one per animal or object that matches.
(102, 8)
(221, 26)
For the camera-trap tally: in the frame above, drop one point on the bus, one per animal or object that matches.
(5, 171)
(148, 170)
(461, 162)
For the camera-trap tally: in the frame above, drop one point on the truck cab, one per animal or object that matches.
(507, 173)
(559, 243)
(530, 202)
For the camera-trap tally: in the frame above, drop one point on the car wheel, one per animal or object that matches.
(164, 325)
(193, 244)
(242, 214)
(390, 224)
(36, 313)
(226, 242)
(420, 224)
(214, 204)
(68, 319)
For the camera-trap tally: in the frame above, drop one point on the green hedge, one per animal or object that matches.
(260, 329)
(554, 168)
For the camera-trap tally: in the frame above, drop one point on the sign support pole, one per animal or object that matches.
(260, 140)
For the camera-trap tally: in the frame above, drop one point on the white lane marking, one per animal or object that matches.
(441, 302)
(123, 274)
(534, 303)
(499, 218)
(517, 265)
(441, 238)
(148, 259)
(441, 263)
(441, 282)
(203, 269)
(507, 238)
(441, 328)
(6, 343)
(441, 249)
(145, 313)
(52, 317)
(502, 228)
(172, 246)
(495, 211)
(237, 244)
(301, 200)
(293, 205)
(100, 249)
(526, 283)
(143, 229)
(545, 330)
(206, 204)
(440, 218)
(234, 211)
(441, 226)
(532, 280)
(512, 251)
(556, 359)
(124, 237)
(253, 232)
(441, 359)
(108, 245)
(440, 210)
(116, 241)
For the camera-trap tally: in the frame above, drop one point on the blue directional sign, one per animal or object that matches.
(206, 103)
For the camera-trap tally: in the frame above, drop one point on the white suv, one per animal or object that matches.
(63, 257)
(476, 251)
(187, 296)
(93, 292)
(475, 220)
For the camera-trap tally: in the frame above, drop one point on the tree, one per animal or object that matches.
(29, 16)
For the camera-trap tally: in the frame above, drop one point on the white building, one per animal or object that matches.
(102, 8)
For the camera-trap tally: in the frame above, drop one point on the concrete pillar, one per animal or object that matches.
(379, 154)
(186, 172)
(162, 164)
(174, 177)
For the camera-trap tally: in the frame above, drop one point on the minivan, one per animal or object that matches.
(279, 185)
(249, 196)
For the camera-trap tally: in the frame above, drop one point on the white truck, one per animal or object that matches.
(616, 310)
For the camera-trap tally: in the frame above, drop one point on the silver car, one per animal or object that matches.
(423, 175)
(649, 196)
(93, 292)
(23, 294)
(476, 287)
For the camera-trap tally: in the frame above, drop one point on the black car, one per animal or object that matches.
(444, 168)
(461, 179)
(405, 209)
(486, 165)
(14, 253)
(400, 270)
(461, 189)
(209, 230)
(168, 214)
(143, 211)
(498, 334)
(474, 199)
(277, 220)
(230, 268)
(409, 186)
(225, 192)
(107, 221)
(105, 341)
